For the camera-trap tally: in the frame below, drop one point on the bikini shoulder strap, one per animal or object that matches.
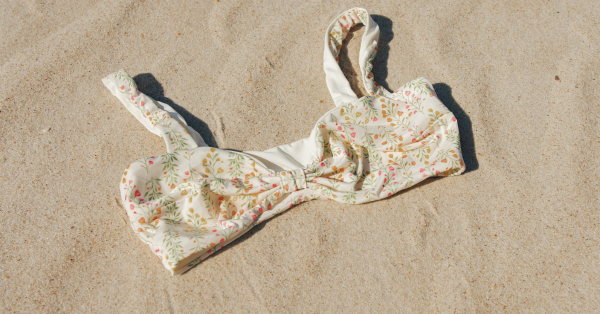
(338, 85)
(159, 118)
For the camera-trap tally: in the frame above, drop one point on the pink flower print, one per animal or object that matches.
(137, 193)
(130, 181)
(322, 164)
(384, 180)
(421, 170)
(379, 172)
(131, 206)
(424, 176)
(437, 172)
(353, 134)
(374, 119)
(187, 173)
(122, 86)
(142, 103)
(221, 240)
(253, 217)
(453, 119)
(151, 162)
(343, 136)
(339, 128)
(407, 106)
(391, 168)
(132, 97)
(407, 93)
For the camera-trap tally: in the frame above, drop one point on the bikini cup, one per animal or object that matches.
(194, 200)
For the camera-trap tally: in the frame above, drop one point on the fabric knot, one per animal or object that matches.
(292, 180)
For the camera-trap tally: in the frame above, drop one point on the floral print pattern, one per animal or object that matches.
(338, 32)
(192, 201)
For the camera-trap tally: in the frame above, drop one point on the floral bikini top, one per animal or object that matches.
(195, 199)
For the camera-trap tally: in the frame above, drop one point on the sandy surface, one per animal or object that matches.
(518, 232)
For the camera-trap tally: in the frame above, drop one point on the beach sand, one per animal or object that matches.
(518, 232)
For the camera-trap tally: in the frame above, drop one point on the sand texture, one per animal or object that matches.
(518, 232)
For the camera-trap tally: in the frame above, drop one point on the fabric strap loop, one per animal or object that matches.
(338, 85)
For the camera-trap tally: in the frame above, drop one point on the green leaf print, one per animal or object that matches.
(397, 119)
(363, 16)
(454, 138)
(211, 164)
(176, 138)
(349, 197)
(407, 173)
(449, 157)
(173, 246)
(122, 75)
(369, 62)
(217, 185)
(375, 160)
(235, 164)
(158, 117)
(170, 167)
(419, 85)
(389, 137)
(153, 189)
(173, 214)
(196, 228)
(371, 111)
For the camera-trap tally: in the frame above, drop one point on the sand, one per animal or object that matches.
(518, 232)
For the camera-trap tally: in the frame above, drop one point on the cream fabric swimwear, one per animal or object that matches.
(194, 200)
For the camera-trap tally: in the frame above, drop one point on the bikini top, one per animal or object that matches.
(195, 199)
